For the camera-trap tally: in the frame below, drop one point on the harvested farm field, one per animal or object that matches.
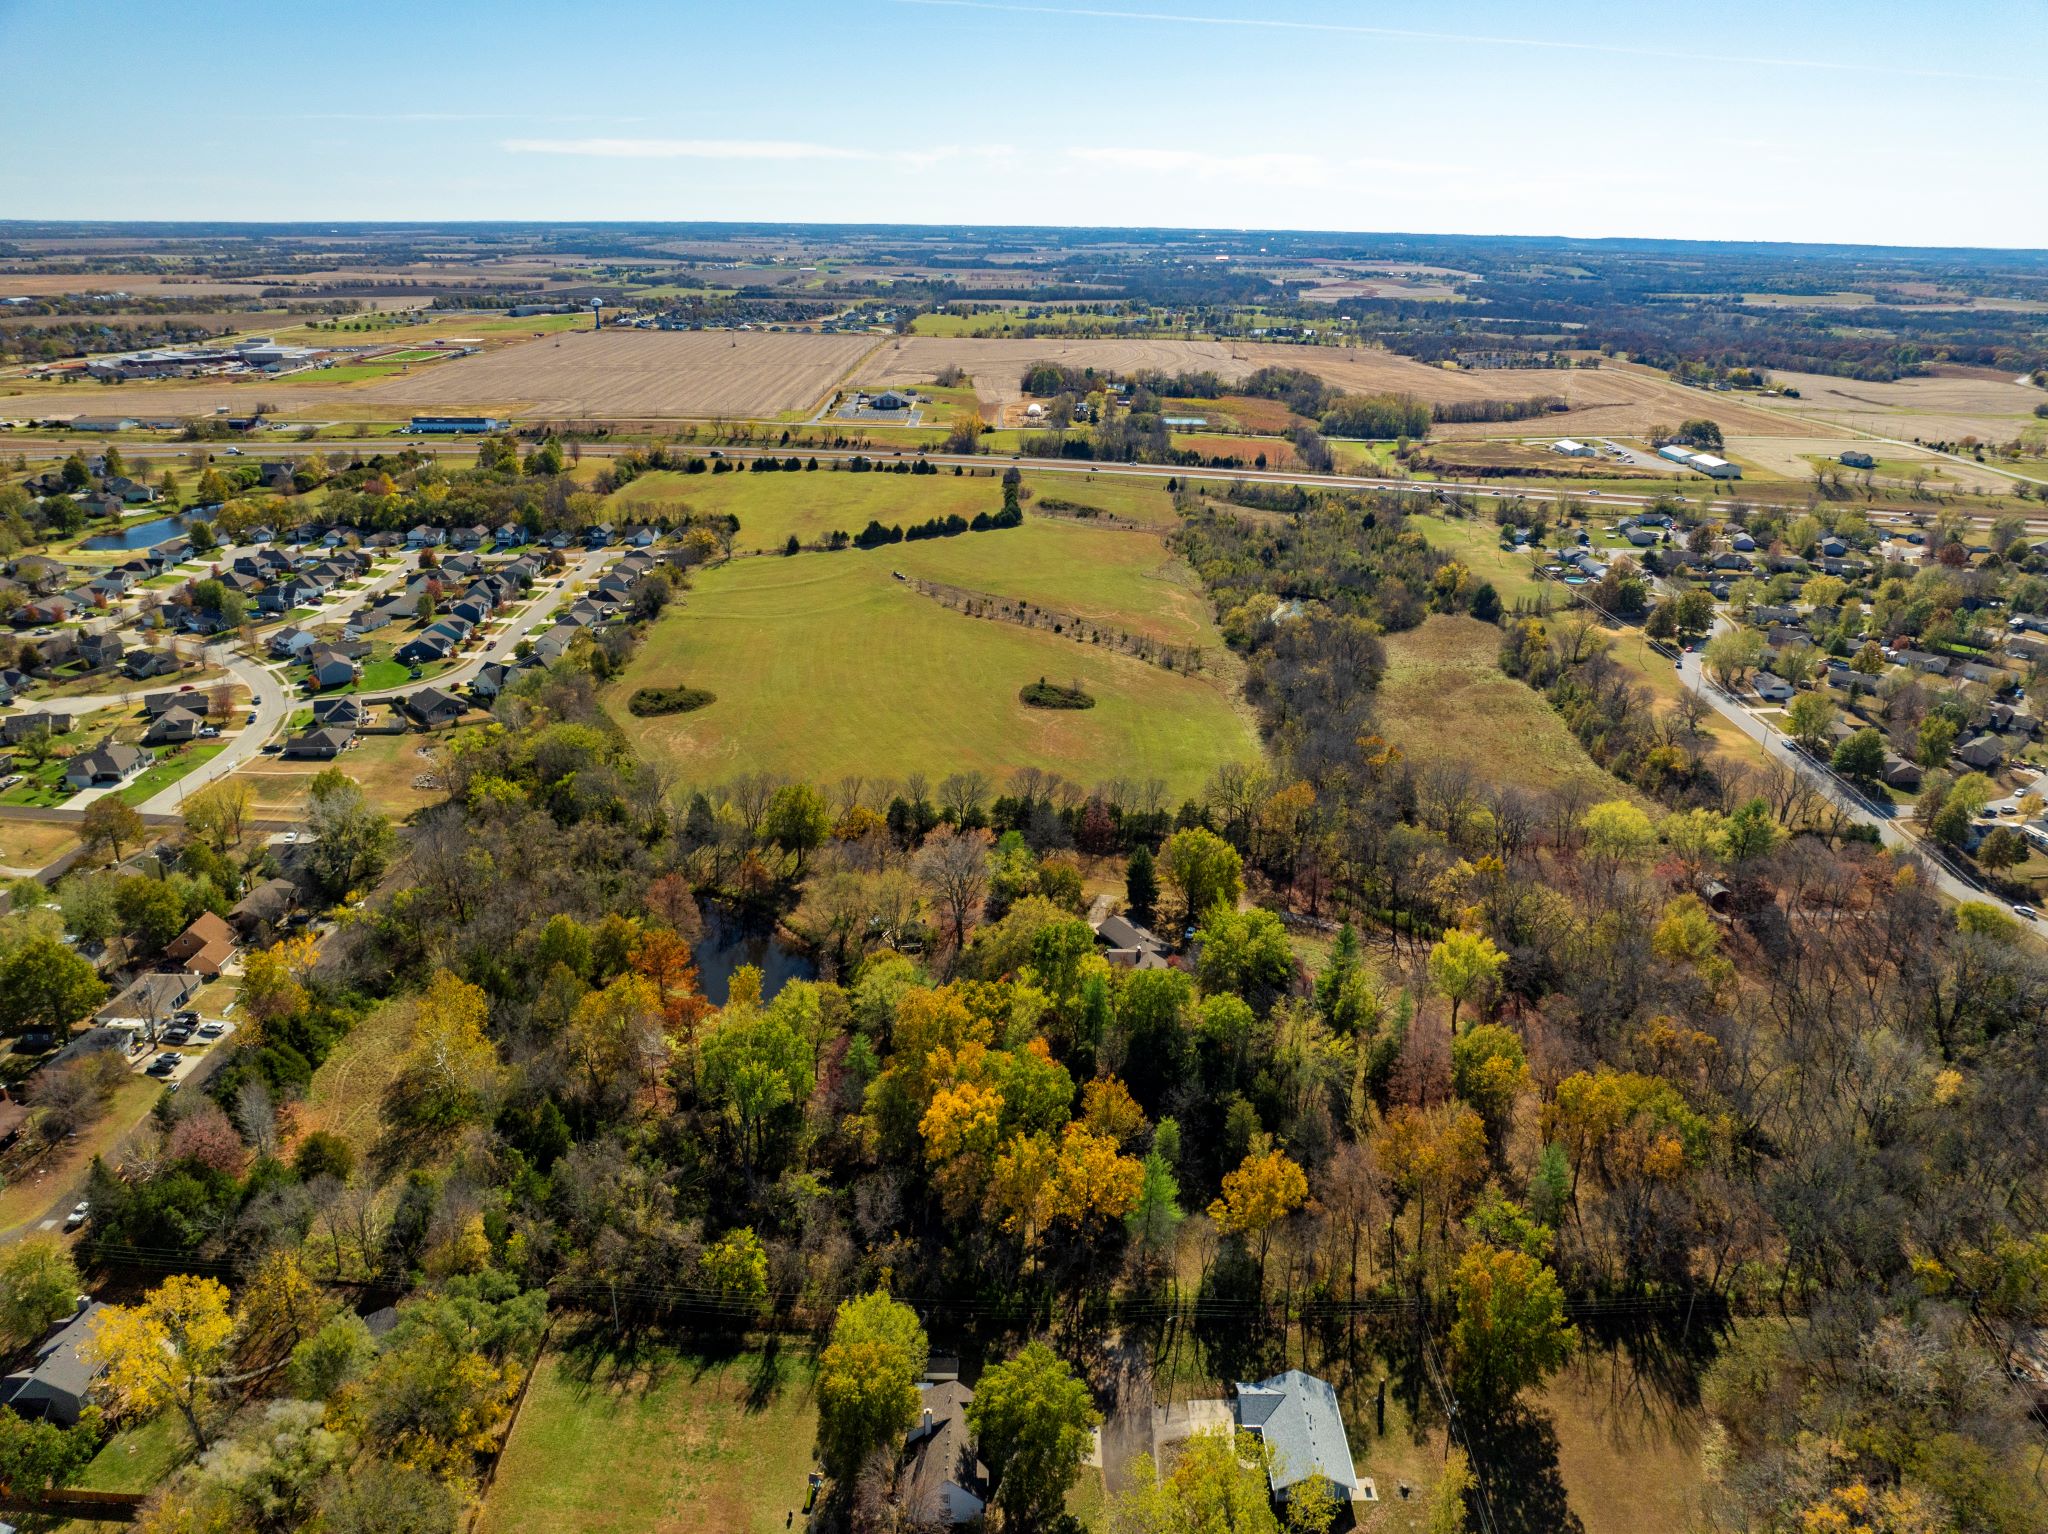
(997, 365)
(1616, 399)
(634, 373)
(607, 374)
(1943, 407)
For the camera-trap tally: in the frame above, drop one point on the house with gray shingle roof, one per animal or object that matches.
(1296, 1416)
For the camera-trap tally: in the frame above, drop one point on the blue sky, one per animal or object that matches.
(1875, 121)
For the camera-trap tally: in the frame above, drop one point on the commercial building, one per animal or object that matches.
(455, 425)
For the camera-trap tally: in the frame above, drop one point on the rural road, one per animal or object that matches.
(884, 454)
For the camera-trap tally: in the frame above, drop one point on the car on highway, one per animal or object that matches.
(80, 1213)
(232, 452)
(2026, 913)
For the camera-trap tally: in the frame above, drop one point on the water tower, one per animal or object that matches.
(597, 314)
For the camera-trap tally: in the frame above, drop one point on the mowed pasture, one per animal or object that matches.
(827, 664)
(1445, 699)
(774, 507)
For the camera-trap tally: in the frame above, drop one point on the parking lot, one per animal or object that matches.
(182, 1044)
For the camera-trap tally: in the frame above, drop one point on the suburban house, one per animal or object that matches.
(1128, 945)
(292, 641)
(339, 711)
(150, 998)
(1986, 753)
(1772, 689)
(320, 744)
(204, 946)
(55, 1386)
(430, 708)
(491, 680)
(423, 537)
(173, 727)
(144, 664)
(1296, 1416)
(264, 906)
(328, 667)
(948, 1482)
(97, 650)
(108, 765)
(423, 649)
(553, 645)
(16, 728)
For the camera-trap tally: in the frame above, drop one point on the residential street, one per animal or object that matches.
(1952, 883)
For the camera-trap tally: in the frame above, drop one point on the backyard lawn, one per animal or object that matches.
(658, 1441)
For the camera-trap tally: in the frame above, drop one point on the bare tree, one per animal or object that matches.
(955, 865)
(961, 795)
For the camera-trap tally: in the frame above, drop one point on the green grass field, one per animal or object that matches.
(1446, 698)
(1476, 544)
(824, 664)
(773, 506)
(657, 1442)
(1115, 577)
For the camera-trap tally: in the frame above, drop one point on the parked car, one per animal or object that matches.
(188, 1018)
(208, 1032)
(178, 1035)
(80, 1213)
(165, 1063)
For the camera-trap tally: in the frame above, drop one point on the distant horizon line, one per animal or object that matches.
(16, 223)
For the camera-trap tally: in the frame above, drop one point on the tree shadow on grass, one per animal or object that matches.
(1514, 1461)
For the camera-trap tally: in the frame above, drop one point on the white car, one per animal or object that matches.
(80, 1211)
(290, 837)
(2026, 912)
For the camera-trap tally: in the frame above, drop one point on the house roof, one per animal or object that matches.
(267, 902)
(431, 700)
(60, 1371)
(1297, 1416)
(116, 760)
(150, 996)
(206, 928)
(944, 1452)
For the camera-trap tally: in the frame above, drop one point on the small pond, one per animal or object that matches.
(731, 940)
(138, 535)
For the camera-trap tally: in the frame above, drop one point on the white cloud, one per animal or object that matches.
(1282, 168)
(685, 149)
